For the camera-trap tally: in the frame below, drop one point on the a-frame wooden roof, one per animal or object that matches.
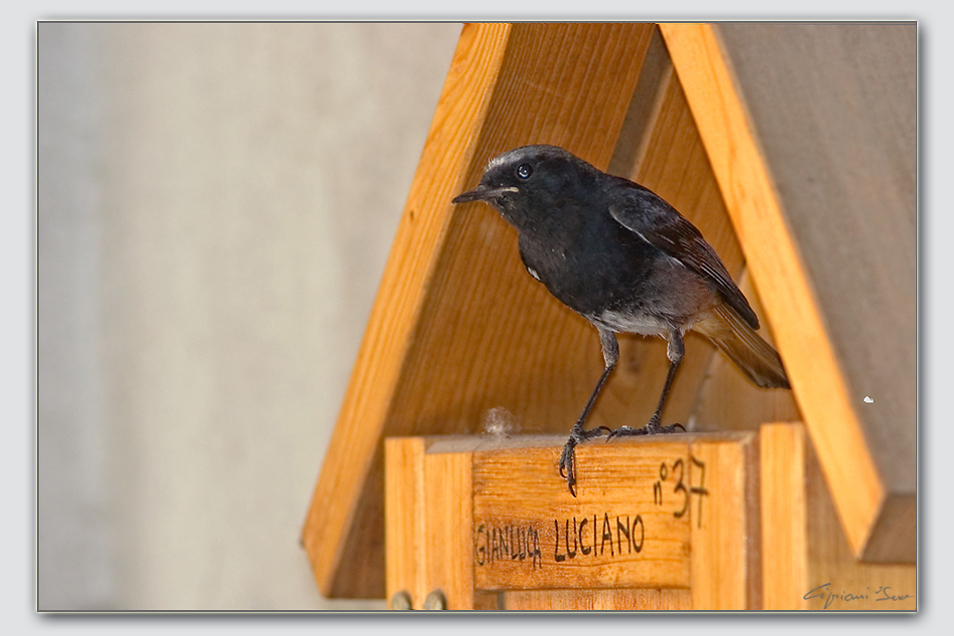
(791, 146)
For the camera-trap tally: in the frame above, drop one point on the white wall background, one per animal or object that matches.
(215, 207)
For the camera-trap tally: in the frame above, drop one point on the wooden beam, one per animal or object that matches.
(774, 164)
(458, 327)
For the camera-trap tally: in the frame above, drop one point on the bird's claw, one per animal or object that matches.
(567, 460)
(568, 456)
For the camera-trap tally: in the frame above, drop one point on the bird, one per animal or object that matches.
(627, 261)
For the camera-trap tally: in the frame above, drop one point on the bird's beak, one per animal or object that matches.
(482, 193)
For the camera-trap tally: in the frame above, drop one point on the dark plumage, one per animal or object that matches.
(626, 260)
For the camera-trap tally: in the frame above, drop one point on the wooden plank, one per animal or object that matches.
(458, 327)
(404, 518)
(677, 512)
(726, 557)
(868, 459)
(622, 599)
(448, 539)
(613, 534)
(807, 561)
(783, 449)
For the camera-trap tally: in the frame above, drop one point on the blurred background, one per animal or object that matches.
(216, 202)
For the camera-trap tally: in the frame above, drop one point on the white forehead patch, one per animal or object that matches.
(510, 157)
(499, 160)
(526, 153)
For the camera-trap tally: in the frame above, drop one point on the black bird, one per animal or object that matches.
(627, 261)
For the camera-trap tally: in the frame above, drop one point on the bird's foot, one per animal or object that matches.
(568, 457)
(652, 428)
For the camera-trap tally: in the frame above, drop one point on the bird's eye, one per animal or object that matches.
(524, 170)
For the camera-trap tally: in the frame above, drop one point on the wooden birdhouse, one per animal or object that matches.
(793, 148)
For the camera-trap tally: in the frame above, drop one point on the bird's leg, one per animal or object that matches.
(674, 351)
(578, 434)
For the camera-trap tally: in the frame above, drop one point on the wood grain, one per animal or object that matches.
(404, 520)
(612, 534)
(591, 600)
(726, 553)
(696, 495)
(869, 460)
(458, 327)
(448, 548)
(785, 566)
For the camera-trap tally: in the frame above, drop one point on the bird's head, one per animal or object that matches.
(530, 183)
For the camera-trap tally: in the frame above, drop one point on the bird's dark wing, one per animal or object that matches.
(641, 211)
